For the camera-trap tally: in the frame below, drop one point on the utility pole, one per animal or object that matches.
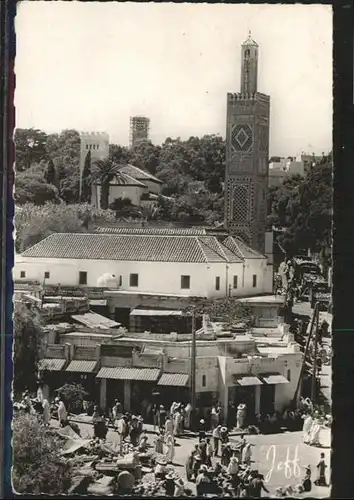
(314, 374)
(193, 368)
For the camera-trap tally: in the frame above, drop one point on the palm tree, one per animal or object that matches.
(104, 171)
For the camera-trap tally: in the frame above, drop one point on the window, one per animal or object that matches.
(23, 274)
(134, 280)
(235, 281)
(217, 283)
(185, 282)
(254, 281)
(94, 146)
(97, 146)
(289, 375)
(120, 281)
(46, 275)
(86, 146)
(82, 278)
(204, 380)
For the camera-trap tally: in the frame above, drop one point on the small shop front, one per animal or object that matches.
(173, 387)
(246, 390)
(52, 374)
(84, 372)
(127, 384)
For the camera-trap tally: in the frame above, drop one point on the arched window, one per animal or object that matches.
(289, 375)
(204, 380)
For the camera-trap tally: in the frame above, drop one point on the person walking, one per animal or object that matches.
(247, 454)
(159, 444)
(46, 412)
(62, 414)
(122, 431)
(170, 448)
(216, 439)
(306, 429)
(187, 416)
(169, 426)
(321, 466)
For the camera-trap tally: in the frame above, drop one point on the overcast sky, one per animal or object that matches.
(90, 66)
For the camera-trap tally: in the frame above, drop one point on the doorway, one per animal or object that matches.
(267, 399)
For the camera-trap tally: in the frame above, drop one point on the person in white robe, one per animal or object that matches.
(246, 454)
(46, 412)
(62, 414)
(170, 448)
(307, 427)
(315, 432)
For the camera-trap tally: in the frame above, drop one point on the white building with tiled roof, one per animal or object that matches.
(179, 265)
(132, 183)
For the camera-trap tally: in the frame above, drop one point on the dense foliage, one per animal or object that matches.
(193, 175)
(225, 309)
(28, 339)
(38, 468)
(73, 396)
(34, 223)
(302, 209)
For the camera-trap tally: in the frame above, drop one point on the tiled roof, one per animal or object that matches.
(162, 231)
(126, 180)
(237, 246)
(124, 248)
(174, 379)
(138, 173)
(53, 365)
(142, 374)
(82, 366)
(221, 249)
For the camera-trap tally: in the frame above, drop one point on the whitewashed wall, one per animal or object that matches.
(158, 277)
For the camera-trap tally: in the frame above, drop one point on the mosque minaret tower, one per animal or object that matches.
(247, 153)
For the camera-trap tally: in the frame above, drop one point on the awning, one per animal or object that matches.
(53, 365)
(98, 302)
(275, 378)
(82, 366)
(174, 379)
(142, 374)
(247, 380)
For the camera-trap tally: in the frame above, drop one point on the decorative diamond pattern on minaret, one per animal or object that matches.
(241, 138)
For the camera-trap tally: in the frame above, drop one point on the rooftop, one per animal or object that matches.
(137, 247)
(159, 231)
(138, 173)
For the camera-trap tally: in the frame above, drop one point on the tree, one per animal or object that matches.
(37, 466)
(302, 209)
(34, 223)
(30, 147)
(119, 154)
(33, 188)
(226, 309)
(28, 338)
(145, 155)
(104, 172)
(73, 396)
(50, 174)
(64, 149)
(86, 180)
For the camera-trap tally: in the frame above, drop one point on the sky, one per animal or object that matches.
(90, 66)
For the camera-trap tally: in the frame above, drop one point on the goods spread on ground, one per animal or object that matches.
(107, 468)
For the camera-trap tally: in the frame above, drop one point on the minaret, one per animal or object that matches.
(247, 145)
(249, 69)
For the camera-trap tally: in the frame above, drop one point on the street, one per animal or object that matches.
(280, 457)
(304, 308)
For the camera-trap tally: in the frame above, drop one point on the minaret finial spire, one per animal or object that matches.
(249, 34)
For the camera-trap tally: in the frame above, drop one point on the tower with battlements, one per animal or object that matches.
(139, 129)
(95, 142)
(247, 153)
